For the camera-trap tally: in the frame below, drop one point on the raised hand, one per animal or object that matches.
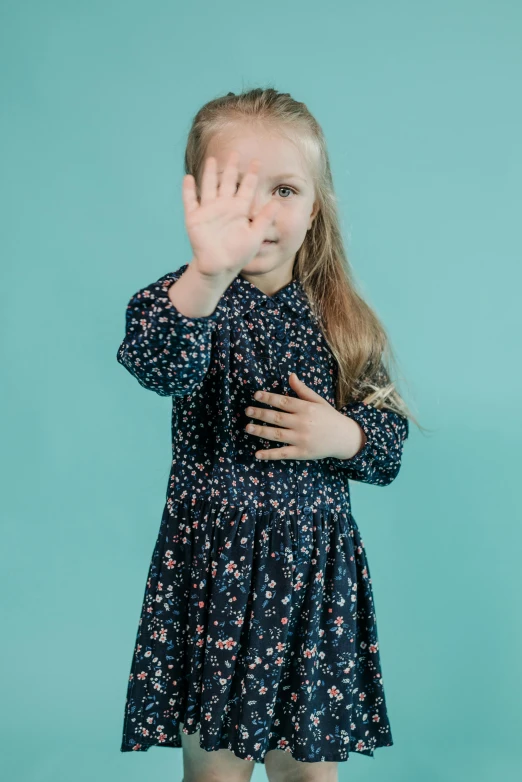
(219, 229)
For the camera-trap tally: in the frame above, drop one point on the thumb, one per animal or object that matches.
(265, 217)
(303, 391)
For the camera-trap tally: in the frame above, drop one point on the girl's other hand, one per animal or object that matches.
(222, 237)
(310, 427)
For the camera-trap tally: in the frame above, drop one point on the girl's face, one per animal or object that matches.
(282, 175)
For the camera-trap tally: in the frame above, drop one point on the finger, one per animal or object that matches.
(228, 184)
(249, 182)
(285, 420)
(274, 433)
(276, 454)
(265, 218)
(288, 403)
(209, 181)
(188, 194)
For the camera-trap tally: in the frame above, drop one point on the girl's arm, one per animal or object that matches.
(166, 352)
(379, 459)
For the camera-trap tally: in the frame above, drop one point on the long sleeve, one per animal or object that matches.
(379, 460)
(164, 350)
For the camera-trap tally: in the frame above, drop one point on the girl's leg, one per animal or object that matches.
(282, 767)
(218, 766)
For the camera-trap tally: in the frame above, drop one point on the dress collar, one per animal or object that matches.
(244, 296)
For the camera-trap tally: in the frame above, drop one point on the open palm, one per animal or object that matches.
(219, 228)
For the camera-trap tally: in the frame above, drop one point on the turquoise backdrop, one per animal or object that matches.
(420, 104)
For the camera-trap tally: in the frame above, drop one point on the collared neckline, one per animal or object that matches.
(245, 296)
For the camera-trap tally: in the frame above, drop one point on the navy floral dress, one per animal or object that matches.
(258, 625)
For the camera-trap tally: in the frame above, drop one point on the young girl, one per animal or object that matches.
(257, 641)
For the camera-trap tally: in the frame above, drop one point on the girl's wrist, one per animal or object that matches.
(352, 438)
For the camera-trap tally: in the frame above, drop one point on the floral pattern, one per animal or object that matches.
(258, 622)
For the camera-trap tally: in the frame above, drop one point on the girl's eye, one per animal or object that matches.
(281, 187)
(284, 187)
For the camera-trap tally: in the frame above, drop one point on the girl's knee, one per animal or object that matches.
(201, 765)
(281, 766)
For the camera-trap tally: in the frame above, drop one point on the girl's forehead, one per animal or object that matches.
(251, 142)
(278, 156)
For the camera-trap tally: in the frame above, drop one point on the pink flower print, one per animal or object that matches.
(333, 692)
(362, 696)
(339, 620)
(374, 647)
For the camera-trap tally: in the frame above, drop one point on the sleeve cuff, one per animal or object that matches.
(165, 308)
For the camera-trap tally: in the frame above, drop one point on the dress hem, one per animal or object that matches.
(335, 758)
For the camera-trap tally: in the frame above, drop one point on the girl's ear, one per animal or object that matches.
(313, 215)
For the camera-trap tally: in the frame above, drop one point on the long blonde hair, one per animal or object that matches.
(353, 331)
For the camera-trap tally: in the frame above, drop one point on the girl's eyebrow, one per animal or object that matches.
(279, 176)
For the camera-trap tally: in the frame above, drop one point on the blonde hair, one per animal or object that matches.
(353, 331)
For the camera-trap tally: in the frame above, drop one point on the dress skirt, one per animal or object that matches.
(258, 629)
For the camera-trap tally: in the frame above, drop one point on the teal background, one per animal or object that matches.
(420, 104)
